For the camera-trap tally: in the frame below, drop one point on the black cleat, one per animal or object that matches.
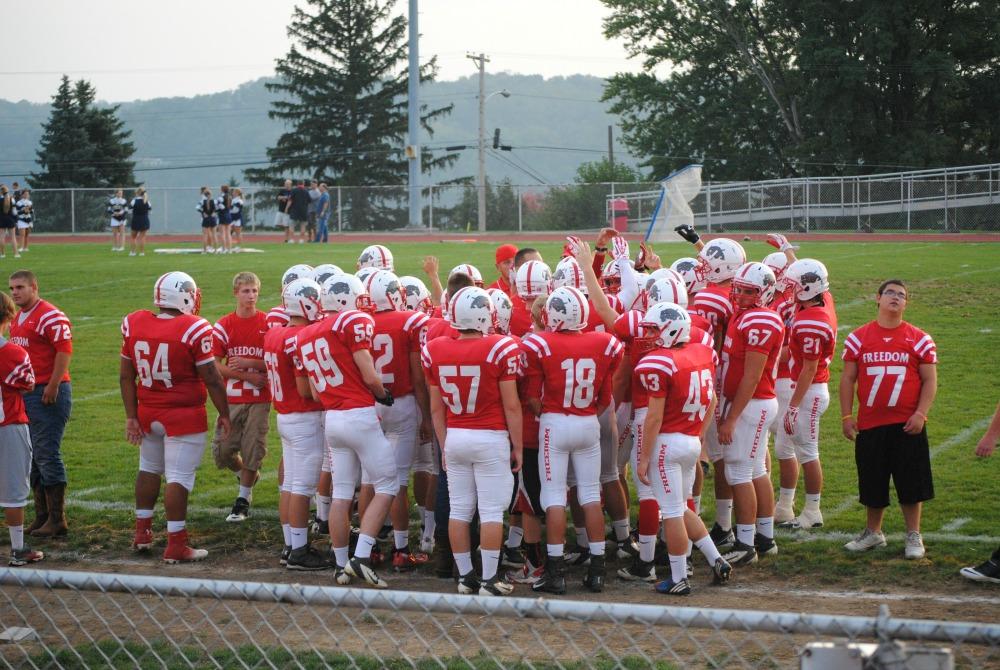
(721, 571)
(723, 539)
(740, 554)
(595, 574)
(766, 546)
(553, 579)
(639, 571)
(308, 559)
(241, 511)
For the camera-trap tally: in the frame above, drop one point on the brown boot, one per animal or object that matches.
(41, 509)
(56, 524)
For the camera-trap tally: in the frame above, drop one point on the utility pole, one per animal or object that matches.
(481, 60)
(413, 120)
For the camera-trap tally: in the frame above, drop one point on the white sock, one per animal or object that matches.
(323, 507)
(341, 554)
(620, 526)
(429, 523)
(744, 533)
(175, 526)
(786, 497)
(401, 538)
(812, 501)
(491, 559)
(514, 537)
(678, 568)
(365, 545)
(708, 549)
(697, 504)
(144, 514)
(581, 537)
(555, 550)
(647, 547)
(246, 492)
(724, 513)
(765, 526)
(286, 530)
(596, 548)
(16, 537)
(463, 561)
(420, 512)
(299, 537)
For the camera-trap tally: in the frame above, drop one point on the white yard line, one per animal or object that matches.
(955, 524)
(95, 396)
(121, 506)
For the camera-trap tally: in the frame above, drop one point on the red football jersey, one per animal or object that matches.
(435, 328)
(281, 359)
(529, 422)
(16, 376)
(626, 327)
(166, 351)
(502, 284)
(326, 349)
(520, 317)
(595, 324)
(571, 372)
(42, 331)
(243, 338)
(468, 373)
(714, 304)
(785, 307)
(277, 317)
(685, 377)
(638, 391)
(397, 335)
(757, 329)
(812, 337)
(698, 321)
(889, 361)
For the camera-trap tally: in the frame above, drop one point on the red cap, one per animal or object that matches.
(505, 252)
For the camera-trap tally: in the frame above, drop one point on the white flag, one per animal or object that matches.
(672, 209)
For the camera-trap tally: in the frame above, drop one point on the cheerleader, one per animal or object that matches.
(236, 212)
(208, 221)
(140, 221)
(118, 213)
(8, 220)
(25, 221)
(223, 205)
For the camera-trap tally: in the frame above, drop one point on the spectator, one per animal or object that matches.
(16, 191)
(284, 202)
(140, 221)
(314, 194)
(208, 221)
(988, 571)
(298, 211)
(890, 431)
(118, 211)
(236, 211)
(322, 214)
(25, 220)
(8, 220)
(223, 204)
(504, 259)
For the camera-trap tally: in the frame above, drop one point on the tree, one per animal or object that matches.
(772, 88)
(584, 204)
(110, 146)
(344, 83)
(64, 150)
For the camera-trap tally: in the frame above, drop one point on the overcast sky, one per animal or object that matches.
(135, 50)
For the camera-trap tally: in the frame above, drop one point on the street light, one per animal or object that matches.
(482, 149)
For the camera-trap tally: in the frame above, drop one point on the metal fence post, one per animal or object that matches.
(253, 211)
(430, 207)
(72, 210)
(791, 207)
(808, 196)
(708, 205)
(166, 212)
(340, 213)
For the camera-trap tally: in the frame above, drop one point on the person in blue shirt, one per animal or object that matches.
(322, 214)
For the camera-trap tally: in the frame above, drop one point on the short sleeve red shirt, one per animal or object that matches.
(43, 331)
(714, 304)
(16, 376)
(571, 372)
(326, 349)
(759, 330)
(396, 336)
(684, 376)
(236, 336)
(281, 360)
(813, 337)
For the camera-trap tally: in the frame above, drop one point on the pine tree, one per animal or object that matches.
(343, 91)
(64, 148)
(111, 149)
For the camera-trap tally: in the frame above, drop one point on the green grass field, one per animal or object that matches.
(954, 297)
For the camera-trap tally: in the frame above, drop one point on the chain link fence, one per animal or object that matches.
(55, 619)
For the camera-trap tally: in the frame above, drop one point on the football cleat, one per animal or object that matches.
(689, 567)
(784, 517)
(626, 549)
(723, 539)
(362, 569)
(594, 580)
(528, 574)
(495, 587)
(671, 588)
(143, 538)
(765, 546)
(914, 546)
(721, 571)
(513, 557)
(283, 558)
(241, 510)
(307, 559)
(404, 561)
(578, 556)
(867, 540)
(808, 519)
(639, 571)
(320, 527)
(740, 554)
(989, 571)
(23, 556)
(178, 550)
(553, 579)
(468, 584)
(340, 576)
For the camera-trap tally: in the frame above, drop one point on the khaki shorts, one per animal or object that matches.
(247, 440)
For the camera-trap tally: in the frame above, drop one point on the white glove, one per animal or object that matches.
(619, 248)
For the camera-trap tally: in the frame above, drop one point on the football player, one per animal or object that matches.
(336, 354)
(570, 373)
(171, 354)
(376, 257)
(477, 418)
(239, 356)
(678, 378)
(300, 424)
(748, 407)
(276, 315)
(532, 278)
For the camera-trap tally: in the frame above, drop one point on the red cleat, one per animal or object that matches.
(178, 550)
(143, 539)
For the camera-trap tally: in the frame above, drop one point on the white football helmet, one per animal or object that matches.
(719, 260)
(376, 256)
(471, 309)
(504, 308)
(668, 289)
(611, 278)
(566, 309)
(533, 279)
(323, 272)
(364, 273)
(685, 267)
(807, 278)
(469, 271)
(758, 277)
(385, 291)
(778, 262)
(177, 290)
(343, 292)
(569, 273)
(662, 273)
(666, 324)
(418, 298)
(299, 271)
(302, 298)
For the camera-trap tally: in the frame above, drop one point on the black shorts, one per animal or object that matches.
(209, 223)
(139, 225)
(8, 224)
(886, 451)
(527, 495)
